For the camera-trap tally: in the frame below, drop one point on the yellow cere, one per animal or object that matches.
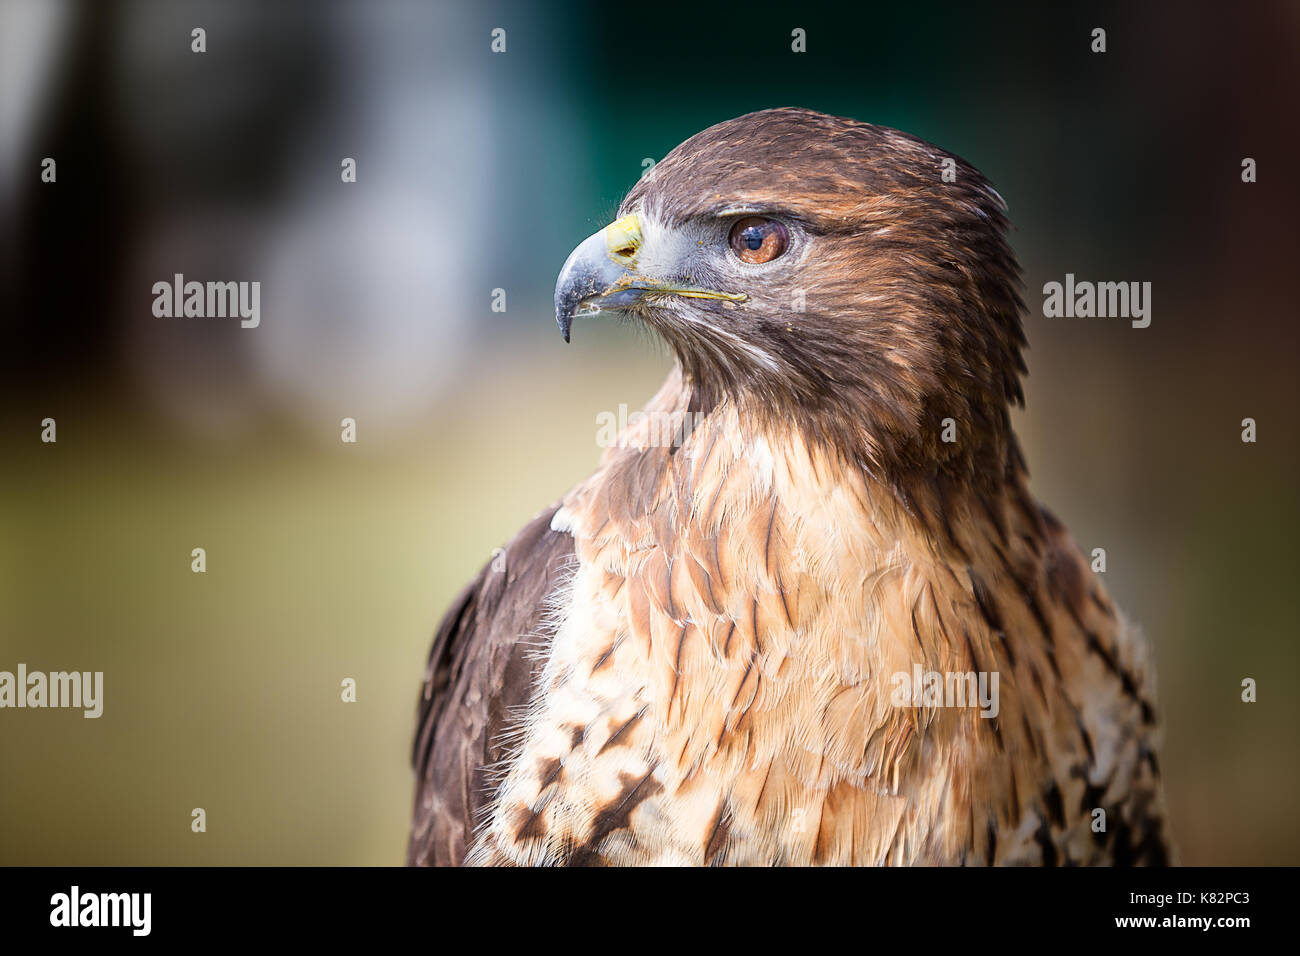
(623, 237)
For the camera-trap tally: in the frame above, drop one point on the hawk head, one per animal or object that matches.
(824, 272)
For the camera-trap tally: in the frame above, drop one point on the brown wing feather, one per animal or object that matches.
(481, 672)
(1119, 726)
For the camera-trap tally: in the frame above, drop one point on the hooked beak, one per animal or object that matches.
(601, 273)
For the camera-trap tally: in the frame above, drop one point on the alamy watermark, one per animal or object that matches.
(663, 429)
(82, 690)
(1103, 300)
(208, 300)
(948, 689)
(129, 910)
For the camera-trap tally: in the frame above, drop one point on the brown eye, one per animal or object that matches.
(757, 240)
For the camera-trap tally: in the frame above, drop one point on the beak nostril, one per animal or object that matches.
(627, 252)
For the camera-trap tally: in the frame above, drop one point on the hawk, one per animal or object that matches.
(745, 638)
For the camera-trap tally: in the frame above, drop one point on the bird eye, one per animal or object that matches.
(757, 240)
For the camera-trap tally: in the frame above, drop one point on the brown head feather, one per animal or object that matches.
(911, 292)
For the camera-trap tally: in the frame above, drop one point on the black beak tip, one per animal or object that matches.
(566, 303)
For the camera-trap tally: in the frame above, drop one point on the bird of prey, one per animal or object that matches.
(745, 638)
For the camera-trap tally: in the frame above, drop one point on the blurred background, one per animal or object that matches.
(479, 171)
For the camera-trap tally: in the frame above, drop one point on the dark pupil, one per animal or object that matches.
(753, 238)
